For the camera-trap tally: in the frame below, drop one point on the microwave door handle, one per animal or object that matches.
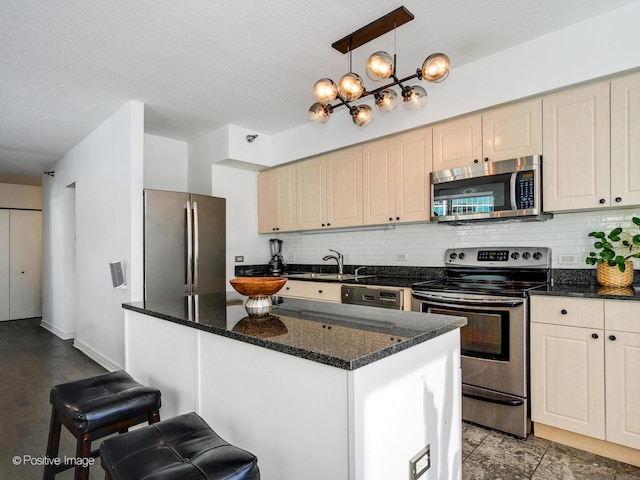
(514, 200)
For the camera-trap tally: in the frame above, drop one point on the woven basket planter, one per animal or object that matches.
(613, 277)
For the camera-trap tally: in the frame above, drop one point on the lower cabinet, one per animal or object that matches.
(329, 292)
(585, 359)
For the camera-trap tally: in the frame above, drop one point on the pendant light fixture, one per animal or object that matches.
(380, 67)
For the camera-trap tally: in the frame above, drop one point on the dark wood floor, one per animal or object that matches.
(32, 360)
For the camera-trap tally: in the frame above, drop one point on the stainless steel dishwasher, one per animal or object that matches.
(373, 296)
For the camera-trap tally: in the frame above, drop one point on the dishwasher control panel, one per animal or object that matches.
(373, 296)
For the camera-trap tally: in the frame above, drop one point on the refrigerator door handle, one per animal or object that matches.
(195, 247)
(187, 289)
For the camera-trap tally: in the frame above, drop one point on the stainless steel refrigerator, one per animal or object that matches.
(184, 244)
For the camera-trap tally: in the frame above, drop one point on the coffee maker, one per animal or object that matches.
(275, 264)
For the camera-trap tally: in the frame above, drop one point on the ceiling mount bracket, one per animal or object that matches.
(375, 29)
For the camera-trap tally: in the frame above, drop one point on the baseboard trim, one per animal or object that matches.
(63, 334)
(97, 356)
(593, 445)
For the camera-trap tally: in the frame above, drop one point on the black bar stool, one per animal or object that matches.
(181, 447)
(93, 408)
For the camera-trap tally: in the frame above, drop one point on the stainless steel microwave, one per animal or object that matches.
(504, 190)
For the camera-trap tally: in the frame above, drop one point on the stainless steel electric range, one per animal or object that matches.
(490, 286)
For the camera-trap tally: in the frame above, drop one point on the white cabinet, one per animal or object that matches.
(396, 178)
(625, 140)
(576, 151)
(585, 358)
(500, 134)
(20, 264)
(327, 291)
(277, 200)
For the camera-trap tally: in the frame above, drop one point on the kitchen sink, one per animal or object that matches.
(327, 276)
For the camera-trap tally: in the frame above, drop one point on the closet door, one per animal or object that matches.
(25, 264)
(4, 265)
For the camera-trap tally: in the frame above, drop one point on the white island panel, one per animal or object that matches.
(290, 412)
(163, 355)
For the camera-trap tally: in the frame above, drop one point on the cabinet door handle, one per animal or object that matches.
(603, 201)
(391, 219)
(475, 160)
(612, 338)
(618, 199)
(319, 291)
(563, 311)
(397, 218)
(486, 159)
(594, 336)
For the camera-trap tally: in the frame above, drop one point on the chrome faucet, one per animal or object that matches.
(338, 257)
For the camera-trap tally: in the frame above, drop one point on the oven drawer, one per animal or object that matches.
(571, 312)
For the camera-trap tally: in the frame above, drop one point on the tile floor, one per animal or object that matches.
(32, 360)
(490, 455)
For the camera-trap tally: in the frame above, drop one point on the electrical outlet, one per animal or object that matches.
(567, 259)
(239, 258)
(402, 256)
(289, 257)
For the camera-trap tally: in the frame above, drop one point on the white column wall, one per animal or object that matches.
(107, 169)
(165, 164)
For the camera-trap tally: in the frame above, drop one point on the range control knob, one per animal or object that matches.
(453, 255)
(515, 255)
(462, 256)
(537, 255)
(526, 255)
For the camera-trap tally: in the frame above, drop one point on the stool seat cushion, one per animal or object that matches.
(94, 402)
(183, 447)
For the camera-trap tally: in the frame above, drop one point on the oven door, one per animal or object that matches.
(494, 341)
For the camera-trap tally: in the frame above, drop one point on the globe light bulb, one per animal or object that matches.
(325, 91)
(319, 113)
(414, 97)
(436, 68)
(379, 66)
(362, 115)
(386, 100)
(350, 87)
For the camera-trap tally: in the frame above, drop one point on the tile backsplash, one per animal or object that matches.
(424, 244)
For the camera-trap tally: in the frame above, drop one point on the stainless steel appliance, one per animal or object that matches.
(505, 190)
(490, 287)
(373, 296)
(184, 244)
(275, 264)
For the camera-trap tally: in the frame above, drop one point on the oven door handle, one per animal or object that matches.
(482, 302)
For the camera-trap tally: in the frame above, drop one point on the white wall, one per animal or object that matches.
(107, 169)
(165, 163)
(20, 196)
(239, 187)
(424, 244)
(595, 48)
(598, 47)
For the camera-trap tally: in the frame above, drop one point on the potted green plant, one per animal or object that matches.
(613, 255)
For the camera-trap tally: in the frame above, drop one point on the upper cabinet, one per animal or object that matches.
(576, 153)
(500, 134)
(396, 178)
(277, 200)
(329, 191)
(592, 146)
(625, 140)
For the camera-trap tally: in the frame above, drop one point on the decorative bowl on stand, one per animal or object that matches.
(259, 291)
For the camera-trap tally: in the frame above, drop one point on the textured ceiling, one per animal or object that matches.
(199, 64)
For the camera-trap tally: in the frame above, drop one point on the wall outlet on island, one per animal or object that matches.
(239, 258)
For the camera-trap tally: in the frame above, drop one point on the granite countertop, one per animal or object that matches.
(339, 335)
(591, 291)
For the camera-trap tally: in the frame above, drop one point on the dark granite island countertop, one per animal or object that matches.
(342, 336)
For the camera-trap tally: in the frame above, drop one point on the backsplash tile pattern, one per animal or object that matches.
(424, 244)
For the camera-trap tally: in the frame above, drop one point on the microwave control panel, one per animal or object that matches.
(525, 190)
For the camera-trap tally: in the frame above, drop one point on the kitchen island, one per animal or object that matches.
(316, 390)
